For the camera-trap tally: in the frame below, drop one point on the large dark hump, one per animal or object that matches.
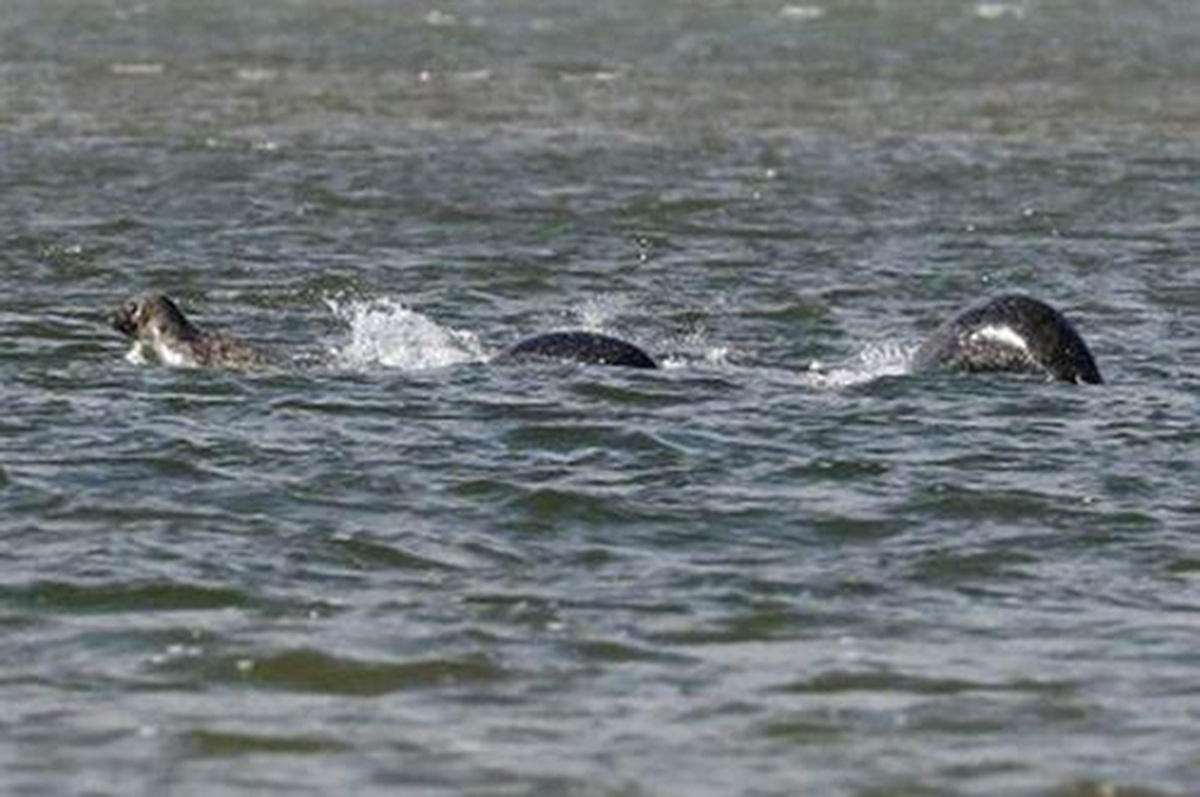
(1048, 341)
(589, 348)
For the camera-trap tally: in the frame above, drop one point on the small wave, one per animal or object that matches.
(384, 332)
(876, 360)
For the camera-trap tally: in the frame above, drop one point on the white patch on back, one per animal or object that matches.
(1003, 335)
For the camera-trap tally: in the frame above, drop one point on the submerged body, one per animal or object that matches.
(579, 346)
(162, 333)
(1010, 333)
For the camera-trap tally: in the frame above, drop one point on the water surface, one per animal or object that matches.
(780, 565)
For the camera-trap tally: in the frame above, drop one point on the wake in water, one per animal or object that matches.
(673, 351)
(385, 332)
(877, 360)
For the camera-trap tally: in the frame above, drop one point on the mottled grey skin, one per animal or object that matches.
(1010, 333)
(161, 332)
(590, 348)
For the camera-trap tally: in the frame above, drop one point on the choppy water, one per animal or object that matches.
(778, 566)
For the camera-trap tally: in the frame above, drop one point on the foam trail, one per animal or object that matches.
(876, 360)
(383, 332)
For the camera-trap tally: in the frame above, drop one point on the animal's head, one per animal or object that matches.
(152, 316)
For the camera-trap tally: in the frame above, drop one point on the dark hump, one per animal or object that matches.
(590, 348)
(1051, 344)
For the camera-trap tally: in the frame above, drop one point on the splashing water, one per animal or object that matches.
(385, 332)
(876, 360)
(598, 312)
(693, 349)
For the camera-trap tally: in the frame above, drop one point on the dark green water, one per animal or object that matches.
(394, 568)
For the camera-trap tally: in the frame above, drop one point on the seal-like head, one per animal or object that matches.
(153, 315)
(158, 327)
(1010, 333)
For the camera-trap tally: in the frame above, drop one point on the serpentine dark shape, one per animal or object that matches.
(1008, 333)
(1013, 333)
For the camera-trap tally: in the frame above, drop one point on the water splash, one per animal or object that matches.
(996, 11)
(383, 332)
(876, 360)
(694, 349)
(598, 312)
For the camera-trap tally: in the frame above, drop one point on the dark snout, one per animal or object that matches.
(122, 320)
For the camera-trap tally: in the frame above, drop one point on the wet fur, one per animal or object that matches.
(161, 332)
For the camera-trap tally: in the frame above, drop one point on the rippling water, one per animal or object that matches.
(778, 566)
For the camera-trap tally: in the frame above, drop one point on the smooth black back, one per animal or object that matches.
(580, 346)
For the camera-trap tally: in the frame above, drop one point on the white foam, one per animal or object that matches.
(383, 332)
(994, 11)
(713, 356)
(691, 348)
(876, 360)
(803, 13)
(440, 19)
(598, 312)
(136, 69)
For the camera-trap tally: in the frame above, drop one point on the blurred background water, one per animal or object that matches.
(778, 566)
